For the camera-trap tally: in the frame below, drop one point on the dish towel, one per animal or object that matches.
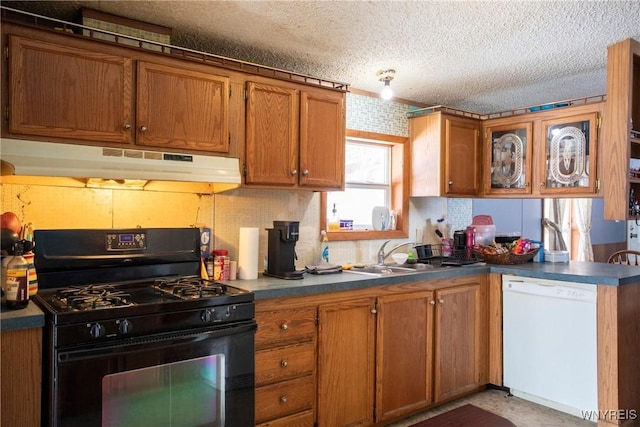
(325, 268)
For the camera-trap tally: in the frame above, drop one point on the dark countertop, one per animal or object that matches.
(29, 317)
(575, 271)
(270, 287)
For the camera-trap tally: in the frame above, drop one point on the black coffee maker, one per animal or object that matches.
(281, 250)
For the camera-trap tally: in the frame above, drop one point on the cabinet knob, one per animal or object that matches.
(143, 129)
(294, 172)
(441, 301)
(283, 399)
(374, 311)
(432, 302)
(542, 184)
(284, 326)
(450, 182)
(284, 363)
(126, 126)
(305, 172)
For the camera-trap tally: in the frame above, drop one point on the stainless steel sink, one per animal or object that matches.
(389, 270)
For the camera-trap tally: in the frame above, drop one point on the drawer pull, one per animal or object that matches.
(284, 326)
(284, 363)
(283, 399)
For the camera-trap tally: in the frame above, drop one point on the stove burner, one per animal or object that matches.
(92, 296)
(191, 287)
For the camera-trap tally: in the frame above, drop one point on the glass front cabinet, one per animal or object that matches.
(509, 159)
(569, 162)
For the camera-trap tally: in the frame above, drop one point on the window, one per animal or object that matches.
(374, 176)
(367, 183)
(566, 226)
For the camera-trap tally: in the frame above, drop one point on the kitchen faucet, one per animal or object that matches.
(382, 256)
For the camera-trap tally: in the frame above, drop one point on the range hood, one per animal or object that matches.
(114, 167)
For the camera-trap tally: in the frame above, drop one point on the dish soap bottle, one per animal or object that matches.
(325, 247)
(334, 222)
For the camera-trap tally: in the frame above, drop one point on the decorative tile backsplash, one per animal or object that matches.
(377, 115)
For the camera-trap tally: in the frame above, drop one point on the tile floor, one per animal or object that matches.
(519, 411)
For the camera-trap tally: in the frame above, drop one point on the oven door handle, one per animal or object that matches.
(155, 342)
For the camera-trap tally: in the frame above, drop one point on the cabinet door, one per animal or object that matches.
(457, 341)
(322, 143)
(346, 345)
(271, 135)
(182, 108)
(426, 153)
(404, 349)
(21, 376)
(462, 156)
(508, 161)
(68, 92)
(569, 163)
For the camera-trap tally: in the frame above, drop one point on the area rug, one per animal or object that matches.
(466, 416)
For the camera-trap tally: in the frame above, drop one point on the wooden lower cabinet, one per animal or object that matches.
(376, 354)
(285, 367)
(404, 349)
(461, 340)
(346, 346)
(20, 377)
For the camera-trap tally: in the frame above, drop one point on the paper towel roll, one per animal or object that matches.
(248, 253)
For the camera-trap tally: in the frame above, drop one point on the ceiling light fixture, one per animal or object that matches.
(386, 76)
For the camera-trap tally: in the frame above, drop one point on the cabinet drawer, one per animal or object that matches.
(284, 362)
(285, 326)
(285, 398)
(303, 419)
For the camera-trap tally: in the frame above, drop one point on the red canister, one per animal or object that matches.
(220, 264)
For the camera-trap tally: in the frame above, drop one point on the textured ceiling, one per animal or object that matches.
(479, 56)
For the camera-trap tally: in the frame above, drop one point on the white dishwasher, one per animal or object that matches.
(549, 341)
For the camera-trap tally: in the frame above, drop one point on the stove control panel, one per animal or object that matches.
(126, 241)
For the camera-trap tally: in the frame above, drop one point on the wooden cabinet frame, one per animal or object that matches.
(364, 334)
(536, 167)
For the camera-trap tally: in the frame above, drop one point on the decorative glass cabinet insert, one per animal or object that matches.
(510, 163)
(570, 154)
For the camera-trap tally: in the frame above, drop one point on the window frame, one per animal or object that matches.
(400, 175)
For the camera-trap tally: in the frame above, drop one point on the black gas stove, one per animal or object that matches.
(119, 304)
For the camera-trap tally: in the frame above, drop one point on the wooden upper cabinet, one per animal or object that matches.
(445, 158)
(568, 165)
(294, 137)
(508, 162)
(462, 153)
(182, 108)
(621, 130)
(68, 92)
(271, 135)
(322, 140)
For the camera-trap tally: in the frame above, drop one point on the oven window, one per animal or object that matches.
(185, 393)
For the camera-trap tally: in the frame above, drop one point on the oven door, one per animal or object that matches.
(195, 378)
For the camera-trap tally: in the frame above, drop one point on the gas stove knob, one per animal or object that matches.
(125, 326)
(96, 330)
(207, 315)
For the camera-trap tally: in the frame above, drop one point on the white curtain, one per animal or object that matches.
(582, 210)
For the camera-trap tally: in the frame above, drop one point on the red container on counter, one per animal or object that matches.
(221, 266)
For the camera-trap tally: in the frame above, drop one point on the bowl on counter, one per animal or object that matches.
(400, 258)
